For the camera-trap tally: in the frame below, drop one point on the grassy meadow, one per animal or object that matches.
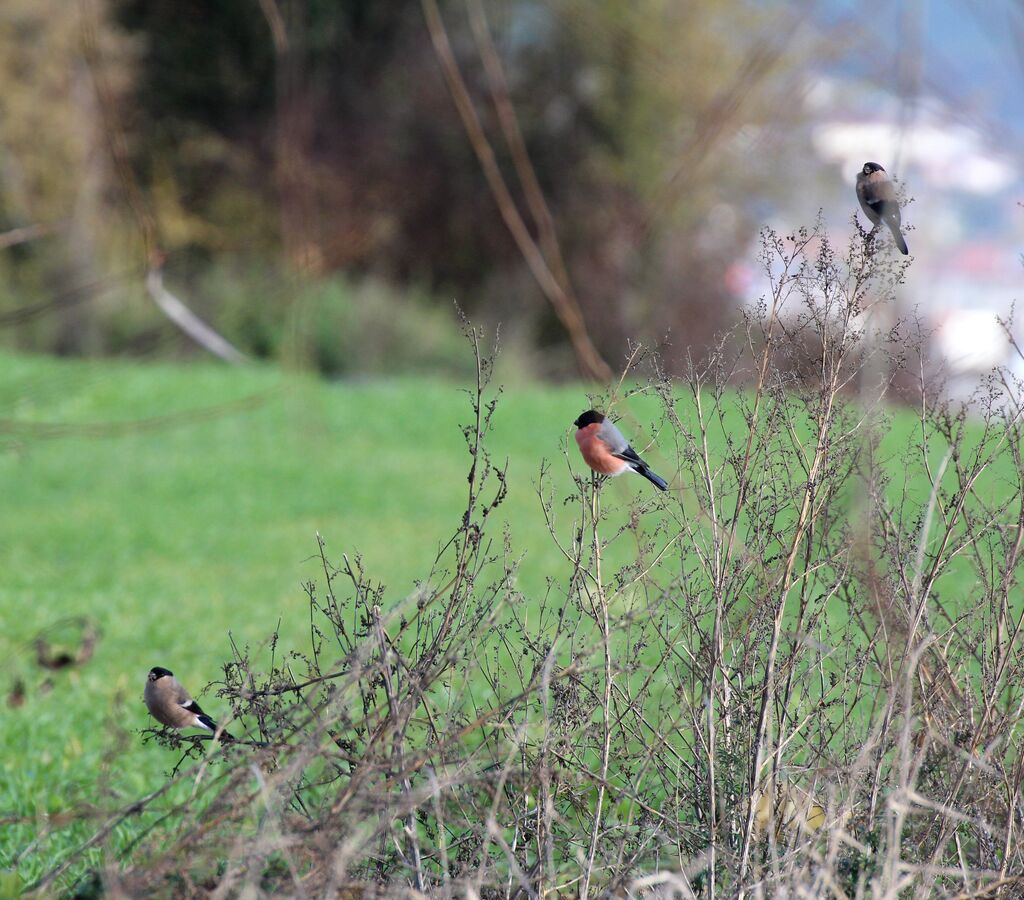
(178, 508)
(174, 534)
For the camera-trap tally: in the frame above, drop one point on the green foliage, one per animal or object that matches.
(10, 885)
(335, 325)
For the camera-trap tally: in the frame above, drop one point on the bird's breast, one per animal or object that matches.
(596, 453)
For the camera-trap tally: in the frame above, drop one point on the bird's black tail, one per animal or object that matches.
(898, 237)
(660, 483)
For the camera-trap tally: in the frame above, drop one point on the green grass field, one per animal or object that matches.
(174, 535)
(181, 531)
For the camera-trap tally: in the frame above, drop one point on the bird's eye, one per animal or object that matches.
(867, 170)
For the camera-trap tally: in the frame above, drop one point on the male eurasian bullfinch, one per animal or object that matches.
(607, 452)
(170, 704)
(877, 198)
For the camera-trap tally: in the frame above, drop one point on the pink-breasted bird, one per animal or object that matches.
(607, 451)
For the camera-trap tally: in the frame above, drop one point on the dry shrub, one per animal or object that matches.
(796, 673)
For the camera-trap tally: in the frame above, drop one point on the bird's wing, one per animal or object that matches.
(619, 446)
(191, 706)
(881, 197)
(628, 454)
(613, 438)
(202, 719)
(887, 211)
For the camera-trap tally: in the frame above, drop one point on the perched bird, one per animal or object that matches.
(170, 704)
(606, 451)
(877, 198)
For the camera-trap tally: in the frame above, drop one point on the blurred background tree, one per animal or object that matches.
(55, 202)
(278, 144)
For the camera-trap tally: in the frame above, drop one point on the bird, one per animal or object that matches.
(607, 451)
(877, 198)
(170, 704)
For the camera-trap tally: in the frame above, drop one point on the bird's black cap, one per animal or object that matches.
(588, 418)
(870, 167)
(159, 672)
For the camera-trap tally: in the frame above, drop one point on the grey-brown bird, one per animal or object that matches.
(877, 198)
(170, 704)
